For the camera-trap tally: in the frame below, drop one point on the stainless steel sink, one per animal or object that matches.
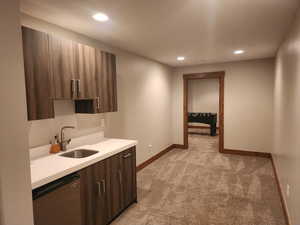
(79, 153)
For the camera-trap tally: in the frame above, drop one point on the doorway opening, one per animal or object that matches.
(214, 120)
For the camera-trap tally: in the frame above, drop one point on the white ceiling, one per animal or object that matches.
(204, 31)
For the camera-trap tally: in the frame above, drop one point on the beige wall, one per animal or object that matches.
(203, 96)
(41, 132)
(144, 95)
(15, 185)
(144, 99)
(248, 103)
(287, 120)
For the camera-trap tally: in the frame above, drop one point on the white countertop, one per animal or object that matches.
(52, 167)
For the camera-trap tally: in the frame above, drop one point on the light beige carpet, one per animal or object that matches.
(199, 186)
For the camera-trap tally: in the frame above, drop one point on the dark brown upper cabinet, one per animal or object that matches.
(62, 57)
(81, 72)
(39, 85)
(58, 68)
(106, 81)
(73, 69)
(86, 76)
(105, 86)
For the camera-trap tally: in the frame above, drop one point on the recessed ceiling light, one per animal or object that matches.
(238, 52)
(101, 17)
(180, 58)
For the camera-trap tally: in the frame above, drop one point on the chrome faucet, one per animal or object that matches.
(63, 143)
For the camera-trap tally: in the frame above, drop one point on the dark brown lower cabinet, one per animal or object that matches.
(102, 194)
(116, 195)
(129, 176)
(88, 190)
(123, 180)
(108, 187)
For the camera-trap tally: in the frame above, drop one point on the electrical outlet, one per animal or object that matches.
(288, 190)
(150, 147)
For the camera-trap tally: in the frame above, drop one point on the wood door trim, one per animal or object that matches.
(155, 157)
(247, 153)
(220, 75)
(178, 146)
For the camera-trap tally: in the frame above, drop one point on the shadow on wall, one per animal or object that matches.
(41, 132)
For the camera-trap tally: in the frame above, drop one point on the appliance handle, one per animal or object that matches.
(103, 186)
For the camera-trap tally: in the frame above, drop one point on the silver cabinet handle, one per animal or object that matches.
(78, 88)
(120, 176)
(103, 186)
(98, 102)
(73, 88)
(99, 189)
(127, 155)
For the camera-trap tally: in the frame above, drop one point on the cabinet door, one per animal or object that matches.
(116, 179)
(102, 194)
(86, 76)
(106, 81)
(39, 86)
(88, 193)
(63, 67)
(129, 176)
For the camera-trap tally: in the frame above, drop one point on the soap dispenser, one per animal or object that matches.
(55, 147)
